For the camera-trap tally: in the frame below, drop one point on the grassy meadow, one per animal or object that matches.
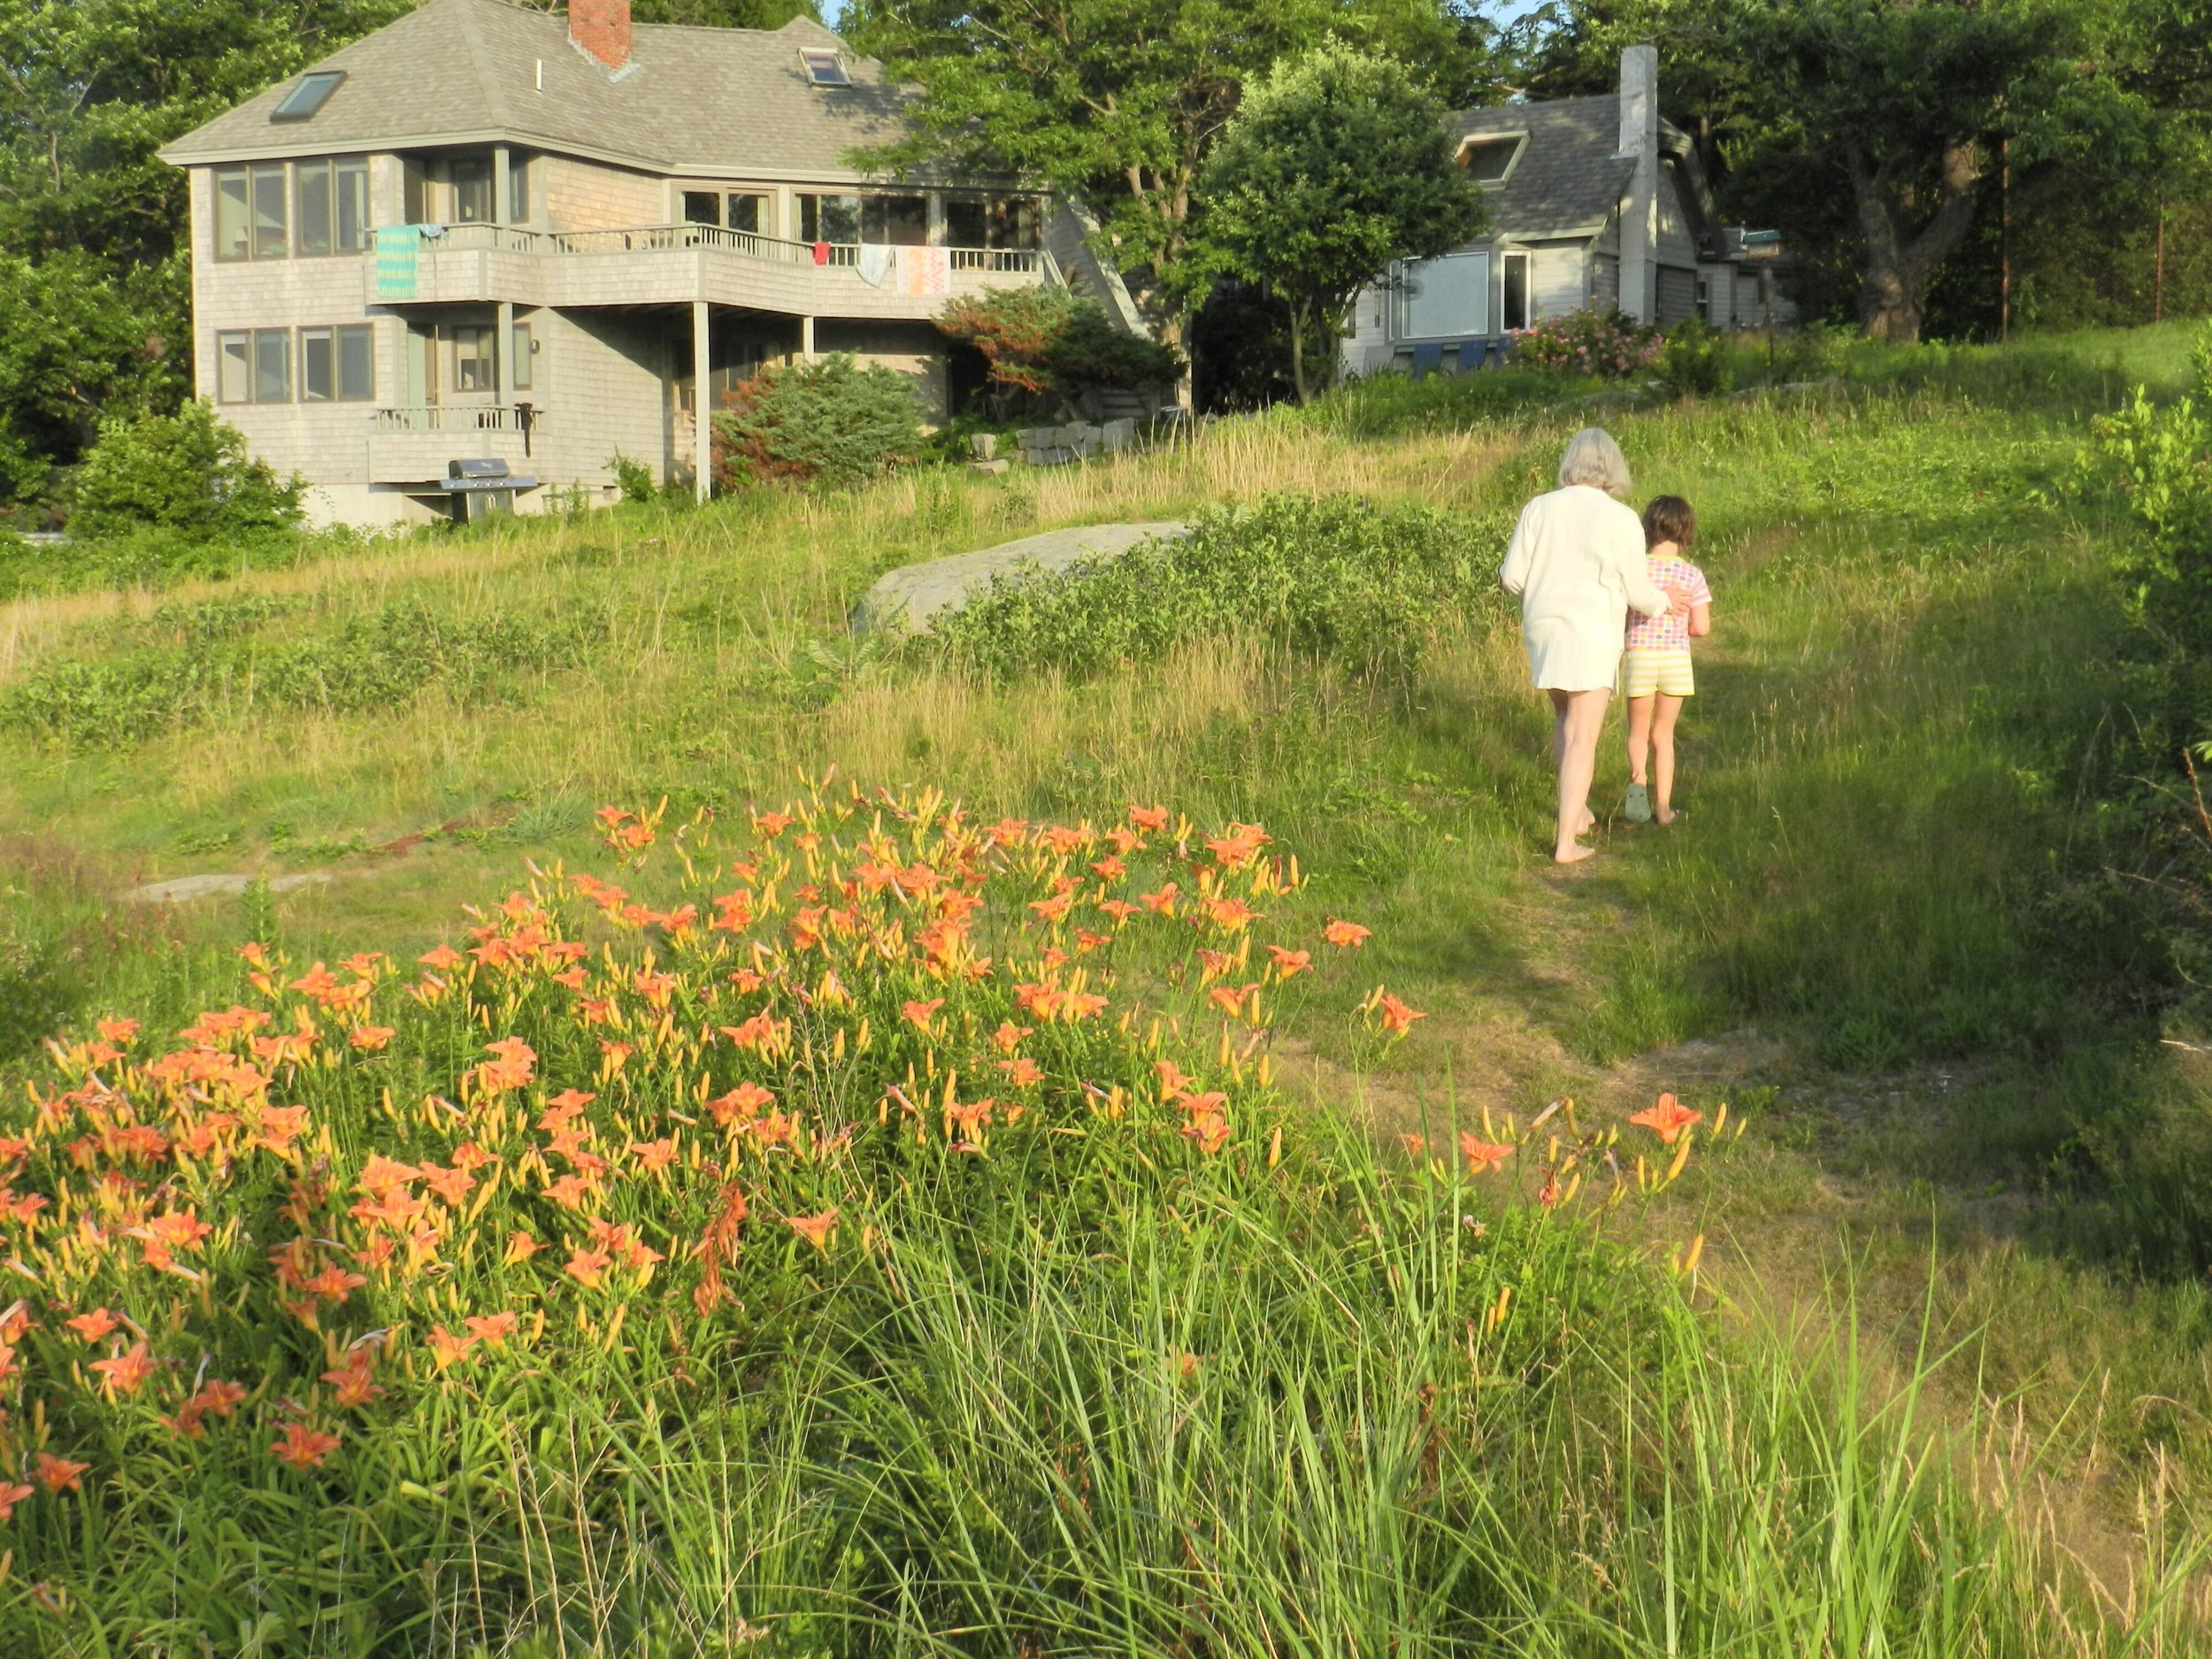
(1281, 1350)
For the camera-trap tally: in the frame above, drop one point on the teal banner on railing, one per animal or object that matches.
(397, 248)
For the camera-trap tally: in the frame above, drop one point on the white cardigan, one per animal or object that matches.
(1576, 563)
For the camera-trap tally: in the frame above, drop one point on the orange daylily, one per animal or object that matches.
(920, 1014)
(94, 1325)
(58, 1475)
(814, 1228)
(1667, 1119)
(1345, 935)
(1396, 1017)
(1483, 1156)
(304, 1447)
(12, 1494)
(126, 1373)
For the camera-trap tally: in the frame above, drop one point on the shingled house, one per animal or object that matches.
(490, 233)
(1594, 202)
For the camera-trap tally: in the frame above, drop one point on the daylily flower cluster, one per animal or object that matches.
(610, 1123)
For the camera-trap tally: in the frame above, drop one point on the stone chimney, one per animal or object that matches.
(1640, 143)
(602, 27)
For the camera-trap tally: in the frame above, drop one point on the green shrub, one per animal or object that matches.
(188, 473)
(634, 477)
(1038, 339)
(1589, 341)
(1339, 576)
(1695, 360)
(831, 422)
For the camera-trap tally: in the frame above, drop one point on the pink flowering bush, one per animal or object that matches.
(1604, 343)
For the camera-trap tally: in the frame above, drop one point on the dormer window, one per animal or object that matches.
(824, 67)
(1492, 159)
(302, 102)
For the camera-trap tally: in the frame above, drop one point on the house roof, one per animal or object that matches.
(1570, 178)
(711, 101)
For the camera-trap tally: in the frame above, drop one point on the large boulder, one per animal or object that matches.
(907, 599)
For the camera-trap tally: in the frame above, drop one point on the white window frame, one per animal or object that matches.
(1475, 141)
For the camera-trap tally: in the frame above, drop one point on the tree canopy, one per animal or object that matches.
(1336, 164)
(1116, 103)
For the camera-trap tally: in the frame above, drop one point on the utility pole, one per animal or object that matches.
(2004, 240)
(2158, 270)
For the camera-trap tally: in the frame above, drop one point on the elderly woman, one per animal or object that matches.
(1576, 563)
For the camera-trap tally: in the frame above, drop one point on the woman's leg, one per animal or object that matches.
(1639, 739)
(1582, 718)
(1663, 717)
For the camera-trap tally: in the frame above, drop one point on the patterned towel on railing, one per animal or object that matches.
(924, 271)
(396, 247)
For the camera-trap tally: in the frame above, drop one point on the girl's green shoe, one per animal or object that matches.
(1638, 809)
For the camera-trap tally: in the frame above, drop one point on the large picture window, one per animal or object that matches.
(1446, 298)
(330, 203)
(338, 364)
(472, 190)
(250, 213)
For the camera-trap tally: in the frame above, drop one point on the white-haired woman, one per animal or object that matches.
(1577, 565)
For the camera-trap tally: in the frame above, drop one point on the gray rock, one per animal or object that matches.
(1119, 434)
(182, 889)
(1037, 437)
(987, 465)
(906, 599)
(983, 445)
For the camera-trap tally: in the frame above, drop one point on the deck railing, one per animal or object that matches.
(436, 418)
(664, 238)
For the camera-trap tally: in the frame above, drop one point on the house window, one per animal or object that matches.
(308, 97)
(1491, 159)
(474, 366)
(900, 220)
(1446, 298)
(526, 347)
(518, 189)
(702, 207)
(1004, 221)
(747, 212)
(330, 201)
(249, 217)
(337, 365)
(472, 190)
(824, 67)
(834, 218)
(254, 366)
(1518, 312)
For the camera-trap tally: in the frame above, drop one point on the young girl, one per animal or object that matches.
(1656, 673)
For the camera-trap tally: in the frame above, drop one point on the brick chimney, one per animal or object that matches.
(602, 27)
(1640, 143)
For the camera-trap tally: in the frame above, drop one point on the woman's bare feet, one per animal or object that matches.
(1574, 853)
(1589, 823)
(1665, 814)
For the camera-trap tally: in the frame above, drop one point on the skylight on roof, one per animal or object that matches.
(824, 67)
(1490, 159)
(312, 92)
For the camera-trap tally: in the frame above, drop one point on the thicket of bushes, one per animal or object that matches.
(831, 421)
(1340, 576)
(205, 659)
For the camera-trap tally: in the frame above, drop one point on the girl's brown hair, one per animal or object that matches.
(1670, 518)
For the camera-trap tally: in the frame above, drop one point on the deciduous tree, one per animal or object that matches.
(1336, 164)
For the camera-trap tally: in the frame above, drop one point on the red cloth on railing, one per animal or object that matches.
(821, 253)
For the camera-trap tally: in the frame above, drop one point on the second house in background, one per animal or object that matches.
(1596, 202)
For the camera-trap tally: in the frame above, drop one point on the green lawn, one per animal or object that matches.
(1880, 932)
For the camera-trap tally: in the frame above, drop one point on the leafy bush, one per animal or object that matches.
(1589, 341)
(1696, 360)
(376, 661)
(635, 479)
(831, 421)
(1340, 576)
(188, 473)
(1037, 339)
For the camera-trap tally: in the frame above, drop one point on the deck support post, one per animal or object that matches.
(702, 412)
(806, 340)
